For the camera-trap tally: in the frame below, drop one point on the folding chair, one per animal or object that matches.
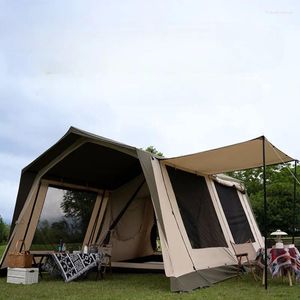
(246, 256)
(106, 250)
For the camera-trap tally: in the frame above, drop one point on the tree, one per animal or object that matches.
(4, 231)
(280, 195)
(78, 206)
(71, 225)
(153, 150)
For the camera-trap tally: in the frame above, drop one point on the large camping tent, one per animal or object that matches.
(91, 189)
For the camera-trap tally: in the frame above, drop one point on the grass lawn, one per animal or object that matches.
(144, 286)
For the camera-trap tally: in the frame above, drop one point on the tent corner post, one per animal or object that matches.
(265, 210)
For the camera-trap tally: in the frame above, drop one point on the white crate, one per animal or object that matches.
(23, 275)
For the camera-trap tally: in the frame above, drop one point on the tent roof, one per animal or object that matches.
(241, 156)
(73, 135)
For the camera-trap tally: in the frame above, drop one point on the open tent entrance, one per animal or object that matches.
(95, 196)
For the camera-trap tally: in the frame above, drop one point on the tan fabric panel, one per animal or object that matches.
(238, 185)
(240, 156)
(100, 217)
(92, 222)
(104, 226)
(176, 248)
(36, 213)
(131, 237)
(212, 257)
(168, 266)
(21, 226)
(146, 162)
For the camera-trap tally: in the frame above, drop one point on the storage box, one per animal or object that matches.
(19, 260)
(22, 275)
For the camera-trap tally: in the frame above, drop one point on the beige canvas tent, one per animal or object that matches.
(88, 189)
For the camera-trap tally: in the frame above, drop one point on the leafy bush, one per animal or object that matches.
(4, 231)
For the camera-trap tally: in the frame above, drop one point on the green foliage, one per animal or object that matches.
(70, 226)
(280, 195)
(78, 206)
(2, 249)
(153, 150)
(4, 231)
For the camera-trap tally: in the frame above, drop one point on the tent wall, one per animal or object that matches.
(131, 238)
(196, 267)
(26, 182)
(188, 268)
(206, 257)
(153, 176)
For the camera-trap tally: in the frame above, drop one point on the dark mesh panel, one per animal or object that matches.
(235, 215)
(197, 210)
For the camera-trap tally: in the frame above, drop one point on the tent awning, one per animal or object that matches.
(241, 156)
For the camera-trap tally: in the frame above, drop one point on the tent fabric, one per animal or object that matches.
(238, 185)
(241, 156)
(131, 235)
(114, 171)
(196, 279)
(81, 161)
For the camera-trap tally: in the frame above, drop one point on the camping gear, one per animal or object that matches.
(20, 259)
(278, 233)
(246, 256)
(22, 275)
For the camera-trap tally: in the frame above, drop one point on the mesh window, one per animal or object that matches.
(196, 209)
(64, 218)
(235, 215)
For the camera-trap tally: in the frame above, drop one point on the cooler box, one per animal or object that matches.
(22, 275)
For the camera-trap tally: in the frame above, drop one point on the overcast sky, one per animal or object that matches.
(184, 76)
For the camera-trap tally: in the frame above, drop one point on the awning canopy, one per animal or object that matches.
(241, 156)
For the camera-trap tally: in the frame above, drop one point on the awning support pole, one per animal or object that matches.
(294, 202)
(265, 213)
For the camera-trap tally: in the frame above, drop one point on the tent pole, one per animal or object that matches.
(265, 213)
(294, 201)
(120, 215)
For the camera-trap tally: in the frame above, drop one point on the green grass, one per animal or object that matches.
(145, 286)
